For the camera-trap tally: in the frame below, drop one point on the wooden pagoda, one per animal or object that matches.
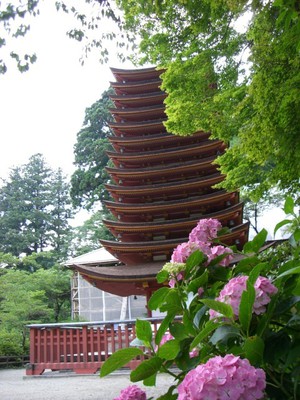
(161, 185)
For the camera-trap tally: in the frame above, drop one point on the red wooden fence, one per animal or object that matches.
(79, 347)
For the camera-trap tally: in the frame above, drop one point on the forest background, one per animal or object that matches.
(240, 84)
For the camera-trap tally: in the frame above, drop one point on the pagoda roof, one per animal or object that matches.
(224, 216)
(136, 87)
(138, 128)
(125, 280)
(163, 170)
(157, 139)
(163, 189)
(220, 196)
(152, 112)
(136, 100)
(206, 147)
(133, 75)
(136, 252)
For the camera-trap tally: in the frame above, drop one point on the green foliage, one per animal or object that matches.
(239, 83)
(87, 182)
(34, 209)
(268, 339)
(25, 298)
(86, 237)
(10, 343)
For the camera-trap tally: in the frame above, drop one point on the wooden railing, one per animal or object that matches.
(79, 347)
(13, 361)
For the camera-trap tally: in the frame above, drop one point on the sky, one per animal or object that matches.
(42, 110)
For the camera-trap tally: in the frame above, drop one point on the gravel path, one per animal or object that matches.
(15, 385)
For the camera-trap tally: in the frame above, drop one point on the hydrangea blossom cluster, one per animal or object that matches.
(200, 239)
(175, 270)
(221, 378)
(205, 231)
(232, 292)
(132, 393)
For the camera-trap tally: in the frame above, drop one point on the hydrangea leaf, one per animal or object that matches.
(146, 369)
(209, 327)
(118, 360)
(197, 283)
(157, 298)
(169, 350)
(144, 331)
(220, 307)
(246, 306)
(254, 349)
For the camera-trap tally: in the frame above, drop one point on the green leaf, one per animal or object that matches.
(178, 331)
(197, 283)
(223, 333)
(164, 326)
(209, 327)
(157, 298)
(246, 306)
(190, 298)
(118, 360)
(146, 369)
(281, 224)
(199, 315)
(151, 381)
(292, 271)
(222, 308)
(172, 302)
(255, 272)
(289, 205)
(296, 235)
(286, 305)
(258, 241)
(254, 349)
(144, 331)
(162, 276)
(169, 350)
(246, 265)
(196, 258)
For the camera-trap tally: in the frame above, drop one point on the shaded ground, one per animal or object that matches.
(15, 385)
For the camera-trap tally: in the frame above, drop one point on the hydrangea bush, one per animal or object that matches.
(231, 329)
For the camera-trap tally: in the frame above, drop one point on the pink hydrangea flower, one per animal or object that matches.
(182, 252)
(205, 230)
(166, 337)
(179, 277)
(216, 251)
(223, 378)
(232, 292)
(132, 393)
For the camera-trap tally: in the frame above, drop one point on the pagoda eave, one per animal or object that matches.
(230, 217)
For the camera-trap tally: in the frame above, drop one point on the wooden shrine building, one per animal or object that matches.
(161, 185)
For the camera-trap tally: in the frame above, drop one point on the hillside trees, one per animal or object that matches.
(34, 210)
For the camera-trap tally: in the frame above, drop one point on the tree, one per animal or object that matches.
(87, 182)
(240, 85)
(34, 209)
(89, 16)
(61, 212)
(43, 296)
(87, 237)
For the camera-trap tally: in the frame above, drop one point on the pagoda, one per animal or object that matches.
(161, 185)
